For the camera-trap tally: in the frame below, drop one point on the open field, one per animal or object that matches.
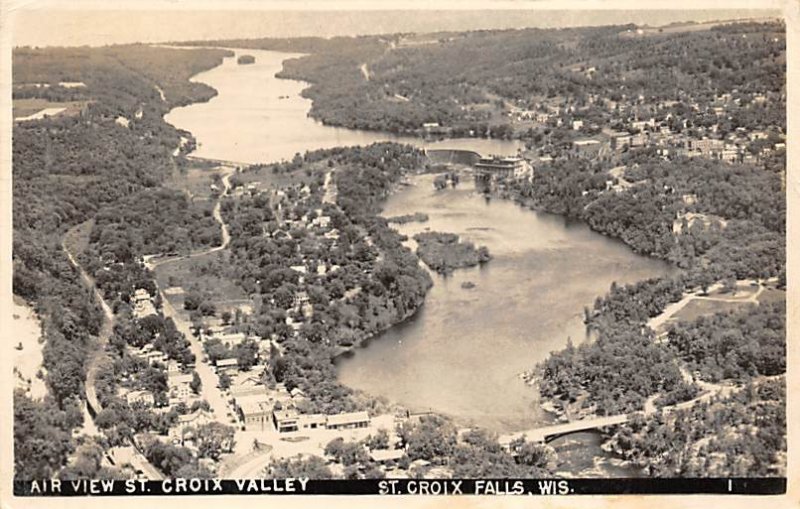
(771, 294)
(701, 307)
(25, 107)
(203, 273)
(267, 179)
(196, 181)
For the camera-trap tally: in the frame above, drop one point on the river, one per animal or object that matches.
(461, 354)
(258, 118)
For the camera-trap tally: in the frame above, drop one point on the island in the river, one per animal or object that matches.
(445, 252)
(246, 59)
(416, 217)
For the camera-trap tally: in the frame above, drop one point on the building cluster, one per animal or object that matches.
(143, 304)
(261, 408)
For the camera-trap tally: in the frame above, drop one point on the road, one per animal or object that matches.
(102, 338)
(151, 264)
(95, 356)
(210, 390)
(657, 321)
(541, 434)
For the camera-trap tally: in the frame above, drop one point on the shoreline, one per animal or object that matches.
(549, 407)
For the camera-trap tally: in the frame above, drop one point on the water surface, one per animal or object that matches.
(461, 354)
(258, 118)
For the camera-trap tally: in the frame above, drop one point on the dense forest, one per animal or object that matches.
(65, 170)
(741, 435)
(747, 243)
(328, 275)
(734, 345)
(457, 79)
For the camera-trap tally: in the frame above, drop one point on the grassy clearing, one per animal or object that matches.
(196, 181)
(701, 307)
(26, 107)
(743, 291)
(77, 239)
(267, 179)
(204, 273)
(771, 294)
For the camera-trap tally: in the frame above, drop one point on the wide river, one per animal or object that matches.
(461, 354)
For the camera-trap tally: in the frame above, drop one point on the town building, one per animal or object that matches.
(286, 421)
(143, 303)
(143, 397)
(350, 420)
(498, 167)
(150, 354)
(180, 388)
(224, 365)
(587, 147)
(255, 414)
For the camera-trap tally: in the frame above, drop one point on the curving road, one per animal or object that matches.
(89, 427)
(217, 213)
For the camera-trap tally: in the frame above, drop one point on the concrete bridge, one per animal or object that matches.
(548, 433)
(453, 156)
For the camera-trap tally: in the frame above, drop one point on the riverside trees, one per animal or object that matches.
(65, 170)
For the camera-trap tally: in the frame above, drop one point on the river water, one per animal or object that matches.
(257, 118)
(461, 354)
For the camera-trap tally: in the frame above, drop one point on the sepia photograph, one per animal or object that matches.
(400, 249)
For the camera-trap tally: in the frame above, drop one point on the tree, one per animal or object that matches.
(312, 467)
(432, 438)
(213, 439)
(246, 354)
(378, 441)
(224, 381)
(534, 455)
(226, 317)
(41, 446)
(196, 384)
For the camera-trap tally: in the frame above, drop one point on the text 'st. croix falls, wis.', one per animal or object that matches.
(420, 253)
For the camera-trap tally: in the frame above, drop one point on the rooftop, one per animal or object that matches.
(347, 418)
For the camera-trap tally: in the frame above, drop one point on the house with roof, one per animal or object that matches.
(386, 456)
(150, 354)
(225, 365)
(144, 397)
(231, 339)
(247, 384)
(348, 420)
(180, 387)
(142, 303)
(255, 414)
(193, 420)
(286, 420)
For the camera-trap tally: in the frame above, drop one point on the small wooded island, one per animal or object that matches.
(418, 217)
(444, 252)
(246, 59)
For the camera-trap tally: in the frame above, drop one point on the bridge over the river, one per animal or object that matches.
(548, 433)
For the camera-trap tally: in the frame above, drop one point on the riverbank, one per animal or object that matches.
(531, 272)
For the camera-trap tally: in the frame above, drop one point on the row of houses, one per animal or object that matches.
(289, 420)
